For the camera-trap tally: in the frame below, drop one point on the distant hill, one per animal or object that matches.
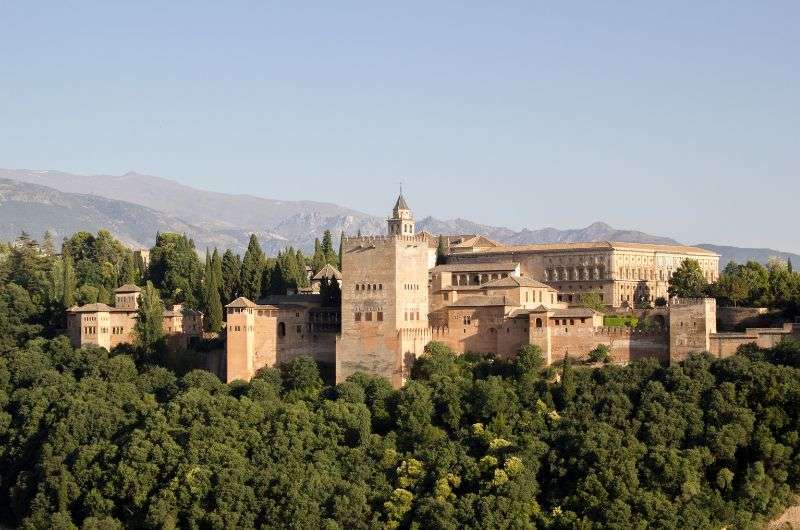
(134, 206)
(743, 255)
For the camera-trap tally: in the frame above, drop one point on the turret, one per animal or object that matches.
(402, 221)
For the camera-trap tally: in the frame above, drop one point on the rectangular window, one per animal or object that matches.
(368, 316)
(379, 317)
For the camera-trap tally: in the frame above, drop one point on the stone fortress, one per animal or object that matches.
(487, 297)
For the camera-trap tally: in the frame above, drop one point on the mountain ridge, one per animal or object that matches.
(226, 220)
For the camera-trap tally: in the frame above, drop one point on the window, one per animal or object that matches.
(368, 316)
(446, 296)
(299, 329)
(538, 322)
(281, 329)
(583, 321)
(358, 316)
(379, 316)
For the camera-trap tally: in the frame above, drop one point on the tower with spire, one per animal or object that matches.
(402, 221)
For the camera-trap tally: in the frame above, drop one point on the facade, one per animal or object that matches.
(486, 298)
(105, 326)
(277, 330)
(622, 274)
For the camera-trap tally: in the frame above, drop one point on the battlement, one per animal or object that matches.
(688, 301)
(414, 333)
(382, 240)
(629, 332)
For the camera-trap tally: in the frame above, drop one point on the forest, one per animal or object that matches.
(127, 439)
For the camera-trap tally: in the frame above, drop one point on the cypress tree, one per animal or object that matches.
(319, 259)
(149, 327)
(207, 279)
(327, 248)
(789, 265)
(231, 272)
(69, 283)
(216, 269)
(128, 272)
(441, 252)
(302, 276)
(252, 269)
(341, 250)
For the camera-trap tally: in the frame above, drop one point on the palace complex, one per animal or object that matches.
(485, 297)
(102, 325)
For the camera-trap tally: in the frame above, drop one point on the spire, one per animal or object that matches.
(401, 203)
(402, 221)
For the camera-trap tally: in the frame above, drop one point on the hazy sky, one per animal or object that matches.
(676, 118)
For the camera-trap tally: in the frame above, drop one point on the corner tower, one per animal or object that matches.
(401, 223)
(384, 301)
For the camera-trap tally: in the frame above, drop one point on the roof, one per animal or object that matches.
(91, 308)
(599, 245)
(183, 311)
(128, 288)
(515, 281)
(479, 301)
(476, 241)
(574, 312)
(505, 266)
(291, 299)
(242, 302)
(401, 203)
(328, 271)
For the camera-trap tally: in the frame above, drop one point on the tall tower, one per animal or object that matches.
(384, 301)
(402, 221)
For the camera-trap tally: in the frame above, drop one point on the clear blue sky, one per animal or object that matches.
(676, 118)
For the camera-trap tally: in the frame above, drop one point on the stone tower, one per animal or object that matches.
(384, 301)
(691, 324)
(402, 221)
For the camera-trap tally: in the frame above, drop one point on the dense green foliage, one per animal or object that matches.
(95, 440)
(775, 286)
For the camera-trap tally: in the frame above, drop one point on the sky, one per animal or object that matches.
(675, 118)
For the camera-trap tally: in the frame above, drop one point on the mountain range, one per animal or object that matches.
(135, 206)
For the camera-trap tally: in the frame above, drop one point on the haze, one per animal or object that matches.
(679, 119)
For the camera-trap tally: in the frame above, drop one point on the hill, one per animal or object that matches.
(134, 206)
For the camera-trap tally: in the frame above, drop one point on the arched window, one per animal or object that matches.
(538, 322)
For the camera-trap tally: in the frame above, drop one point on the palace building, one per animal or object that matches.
(486, 297)
(101, 325)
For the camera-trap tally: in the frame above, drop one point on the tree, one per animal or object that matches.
(149, 327)
(176, 271)
(231, 275)
(593, 301)
(341, 251)
(688, 281)
(318, 260)
(441, 251)
(252, 269)
(68, 283)
(129, 271)
(789, 265)
(211, 290)
(330, 292)
(327, 248)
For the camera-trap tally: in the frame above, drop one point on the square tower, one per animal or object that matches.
(384, 303)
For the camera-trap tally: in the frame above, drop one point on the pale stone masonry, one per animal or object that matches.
(105, 326)
(486, 298)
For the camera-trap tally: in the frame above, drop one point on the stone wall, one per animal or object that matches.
(739, 318)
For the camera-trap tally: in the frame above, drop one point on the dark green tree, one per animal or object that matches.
(231, 275)
(441, 251)
(688, 281)
(149, 326)
(252, 270)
